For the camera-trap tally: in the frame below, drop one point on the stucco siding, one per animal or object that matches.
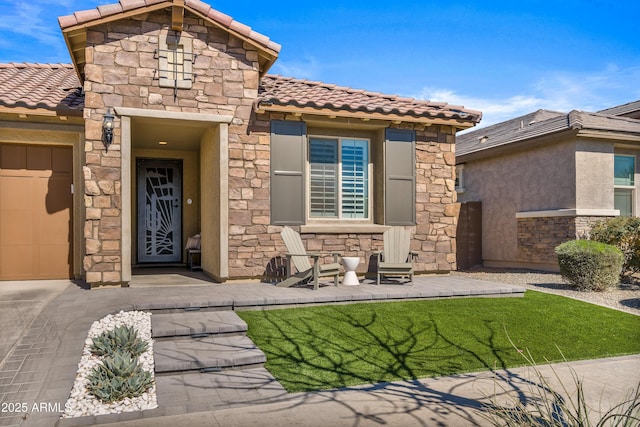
(542, 178)
(594, 174)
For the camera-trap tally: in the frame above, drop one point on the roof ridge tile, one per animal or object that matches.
(110, 9)
(104, 11)
(132, 4)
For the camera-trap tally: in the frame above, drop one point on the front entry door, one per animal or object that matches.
(159, 210)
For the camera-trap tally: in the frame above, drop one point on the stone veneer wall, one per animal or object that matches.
(255, 247)
(121, 70)
(538, 237)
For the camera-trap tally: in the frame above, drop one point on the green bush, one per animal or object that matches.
(589, 265)
(623, 233)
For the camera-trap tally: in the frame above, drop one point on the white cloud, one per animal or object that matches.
(307, 67)
(558, 91)
(30, 28)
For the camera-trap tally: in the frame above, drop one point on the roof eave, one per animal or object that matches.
(609, 135)
(512, 146)
(39, 111)
(393, 118)
(267, 54)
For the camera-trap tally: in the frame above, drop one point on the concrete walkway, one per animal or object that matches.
(20, 303)
(445, 401)
(41, 367)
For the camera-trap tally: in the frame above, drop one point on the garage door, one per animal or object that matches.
(35, 212)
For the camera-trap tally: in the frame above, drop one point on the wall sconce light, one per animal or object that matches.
(107, 129)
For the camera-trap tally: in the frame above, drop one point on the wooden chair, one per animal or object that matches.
(305, 271)
(396, 259)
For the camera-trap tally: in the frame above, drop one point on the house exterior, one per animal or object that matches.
(203, 140)
(546, 177)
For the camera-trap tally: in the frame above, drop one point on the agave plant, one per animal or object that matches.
(118, 377)
(122, 338)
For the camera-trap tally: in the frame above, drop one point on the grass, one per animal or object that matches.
(335, 346)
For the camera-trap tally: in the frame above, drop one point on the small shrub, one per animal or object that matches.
(122, 338)
(118, 377)
(623, 233)
(590, 265)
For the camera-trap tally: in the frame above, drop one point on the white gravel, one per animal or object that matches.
(80, 402)
(626, 297)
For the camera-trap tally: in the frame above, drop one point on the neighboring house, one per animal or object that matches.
(204, 141)
(546, 177)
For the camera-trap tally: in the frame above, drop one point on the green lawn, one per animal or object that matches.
(340, 345)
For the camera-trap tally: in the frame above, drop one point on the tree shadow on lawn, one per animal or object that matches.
(377, 355)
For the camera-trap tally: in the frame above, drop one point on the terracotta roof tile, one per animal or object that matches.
(287, 91)
(110, 9)
(104, 11)
(87, 15)
(205, 8)
(132, 4)
(49, 86)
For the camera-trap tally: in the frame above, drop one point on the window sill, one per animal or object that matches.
(344, 228)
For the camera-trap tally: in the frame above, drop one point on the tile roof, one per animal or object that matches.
(537, 124)
(630, 109)
(225, 21)
(56, 87)
(287, 91)
(48, 86)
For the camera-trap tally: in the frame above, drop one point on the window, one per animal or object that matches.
(325, 179)
(339, 178)
(624, 184)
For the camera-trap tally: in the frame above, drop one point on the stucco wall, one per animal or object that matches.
(570, 174)
(542, 178)
(594, 174)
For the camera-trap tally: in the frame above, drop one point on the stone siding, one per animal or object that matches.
(255, 247)
(538, 237)
(122, 71)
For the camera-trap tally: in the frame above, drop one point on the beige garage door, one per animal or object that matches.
(35, 212)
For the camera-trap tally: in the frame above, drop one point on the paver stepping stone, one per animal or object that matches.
(197, 323)
(208, 353)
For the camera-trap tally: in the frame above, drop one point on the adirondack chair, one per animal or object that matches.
(396, 259)
(300, 257)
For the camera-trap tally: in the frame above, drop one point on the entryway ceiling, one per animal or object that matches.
(179, 134)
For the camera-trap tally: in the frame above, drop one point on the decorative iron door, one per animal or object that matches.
(159, 210)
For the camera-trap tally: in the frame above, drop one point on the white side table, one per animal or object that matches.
(350, 264)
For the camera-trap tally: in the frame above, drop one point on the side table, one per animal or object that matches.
(350, 264)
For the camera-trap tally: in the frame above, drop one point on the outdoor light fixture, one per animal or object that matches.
(107, 129)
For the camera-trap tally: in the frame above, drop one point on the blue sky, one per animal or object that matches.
(504, 58)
